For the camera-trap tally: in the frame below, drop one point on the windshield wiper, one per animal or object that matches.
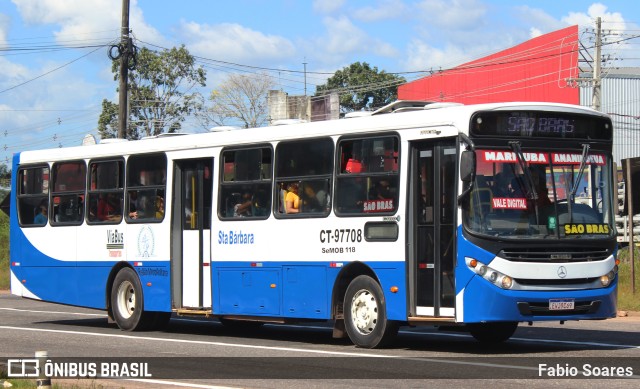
(528, 182)
(583, 165)
(530, 186)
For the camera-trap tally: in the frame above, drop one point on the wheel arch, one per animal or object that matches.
(346, 275)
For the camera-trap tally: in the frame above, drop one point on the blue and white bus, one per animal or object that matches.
(478, 216)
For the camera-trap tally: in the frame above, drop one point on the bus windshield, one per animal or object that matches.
(540, 194)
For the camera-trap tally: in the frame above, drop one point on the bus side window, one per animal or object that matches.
(245, 183)
(146, 184)
(303, 177)
(67, 197)
(369, 187)
(106, 191)
(33, 196)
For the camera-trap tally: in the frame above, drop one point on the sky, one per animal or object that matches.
(55, 72)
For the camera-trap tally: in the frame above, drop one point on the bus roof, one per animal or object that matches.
(432, 114)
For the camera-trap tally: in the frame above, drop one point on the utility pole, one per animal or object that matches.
(124, 71)
(595, 98)
(305, 77)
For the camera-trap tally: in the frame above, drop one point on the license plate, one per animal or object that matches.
(561, 304)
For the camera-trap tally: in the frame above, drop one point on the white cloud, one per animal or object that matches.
(234, 43)
(343, 41)
(594, 10)
(75, 17)
(534, 32)
(343, 36)
(538, 21)
(5, 22)
(384, 10)
(327, 6)
(12, 73)
(81, 19)
(422, 56)
(454, 14)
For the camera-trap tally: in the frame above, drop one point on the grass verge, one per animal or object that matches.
(627, 300)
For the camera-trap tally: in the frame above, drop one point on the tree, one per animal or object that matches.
(158, 94)
(362, 87)
(239, 97)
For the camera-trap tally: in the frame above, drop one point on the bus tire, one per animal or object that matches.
(127, 302)
(495, 332)
(365, 314)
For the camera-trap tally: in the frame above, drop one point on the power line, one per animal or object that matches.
(51, 71)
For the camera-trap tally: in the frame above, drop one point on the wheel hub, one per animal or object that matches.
(364, 312)
(126, 299)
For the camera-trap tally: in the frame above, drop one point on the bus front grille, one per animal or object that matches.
(544, 255)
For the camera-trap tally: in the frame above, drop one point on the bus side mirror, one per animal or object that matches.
(467, 166)
(467, 172)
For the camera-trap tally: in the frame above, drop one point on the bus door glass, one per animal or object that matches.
(433, 194)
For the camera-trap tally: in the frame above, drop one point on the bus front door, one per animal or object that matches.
(191, 232)
(432, 220)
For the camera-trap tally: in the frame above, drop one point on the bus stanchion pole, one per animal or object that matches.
(43, 381)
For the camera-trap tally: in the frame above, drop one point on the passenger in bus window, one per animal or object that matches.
(350, 195)
(542, 193)
(500, 185)
(315, 198)
(109, 208)
(159, 207)
(133, 204)
(292, 199)
(243, 207)
(381, 191)
(41, 217)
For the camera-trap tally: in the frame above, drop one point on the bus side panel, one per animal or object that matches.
(302, 291)
(393, 274)
(53, 284)
(293, 290)
(249, 291)
(156, 285)
(40, 276)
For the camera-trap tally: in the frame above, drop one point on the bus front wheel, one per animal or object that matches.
(127, 302)
(496, 332)
(365, 314)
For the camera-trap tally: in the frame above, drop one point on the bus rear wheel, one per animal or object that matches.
(365, 314)
(496, 332)
(127, 302)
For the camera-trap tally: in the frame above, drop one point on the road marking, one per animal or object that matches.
(56, 312)
(454, 335)
(294, 349)
(181, 384)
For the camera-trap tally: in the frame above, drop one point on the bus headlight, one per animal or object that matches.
(506, 282)
(495, 277)
(606, 279)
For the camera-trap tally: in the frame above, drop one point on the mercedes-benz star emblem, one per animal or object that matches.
(562, 272)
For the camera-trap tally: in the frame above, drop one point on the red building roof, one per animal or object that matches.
(536, 70)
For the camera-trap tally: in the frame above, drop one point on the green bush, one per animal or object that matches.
(627, 300)
(4, 251)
